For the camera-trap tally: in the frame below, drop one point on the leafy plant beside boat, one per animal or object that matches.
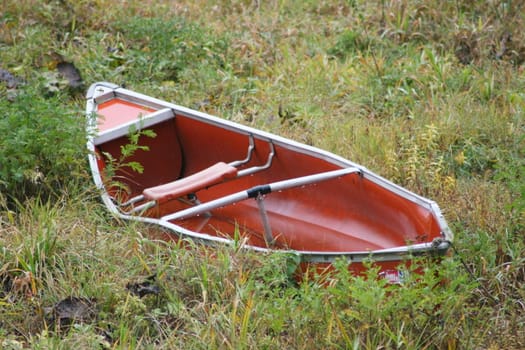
(40, 146)
(122, 168)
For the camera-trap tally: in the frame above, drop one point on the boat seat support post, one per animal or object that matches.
(255, 169)
(192, 198)
(140, 208)
(123, 207)
(251, 147)
(268, 236)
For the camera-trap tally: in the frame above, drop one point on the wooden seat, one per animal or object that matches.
(213, 175)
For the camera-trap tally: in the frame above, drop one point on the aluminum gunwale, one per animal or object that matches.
(103, 91)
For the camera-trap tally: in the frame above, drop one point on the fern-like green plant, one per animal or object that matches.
(124, 163)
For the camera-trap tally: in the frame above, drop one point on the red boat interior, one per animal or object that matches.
(192, 161)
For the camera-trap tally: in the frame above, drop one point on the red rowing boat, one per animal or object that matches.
(213, 181)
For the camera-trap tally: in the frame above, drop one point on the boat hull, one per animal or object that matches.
(217, 182)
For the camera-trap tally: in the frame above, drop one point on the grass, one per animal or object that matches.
(427, 94)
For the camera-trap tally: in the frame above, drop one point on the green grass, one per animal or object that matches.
(427, 94)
